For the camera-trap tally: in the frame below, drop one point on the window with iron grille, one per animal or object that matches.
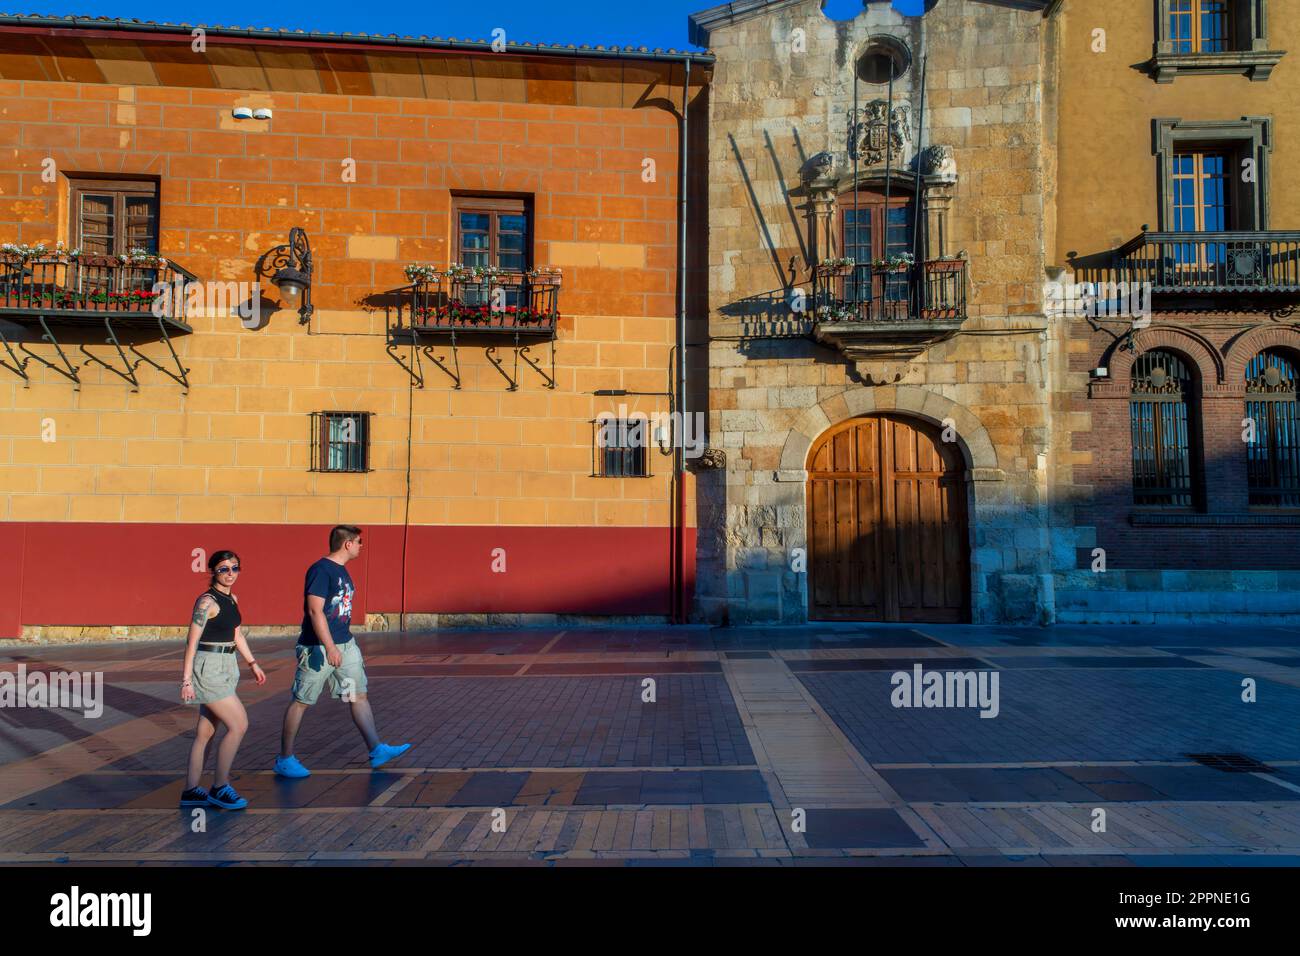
(1166, 471)
(340, 441)
(621, 448)
(1273, 458)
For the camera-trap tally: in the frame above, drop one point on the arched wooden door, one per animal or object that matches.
(887, 524)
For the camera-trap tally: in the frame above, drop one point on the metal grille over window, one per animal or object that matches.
(340, 441)
(620, 448)
(1162, 425)
(1273, 457)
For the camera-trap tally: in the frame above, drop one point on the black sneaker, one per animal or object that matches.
(226, 798)
(198, 797)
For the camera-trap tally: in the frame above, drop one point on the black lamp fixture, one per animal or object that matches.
(292, 264)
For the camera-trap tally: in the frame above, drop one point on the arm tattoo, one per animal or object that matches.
(201, 611)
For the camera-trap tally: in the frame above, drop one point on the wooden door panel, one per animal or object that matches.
(845, 528)
(822, 495)
(953, 502)
(887, 523)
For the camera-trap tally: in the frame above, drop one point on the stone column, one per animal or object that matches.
(821, 215)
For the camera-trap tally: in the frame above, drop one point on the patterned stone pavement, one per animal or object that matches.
(761, 747)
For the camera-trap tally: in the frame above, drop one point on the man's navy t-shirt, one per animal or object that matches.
(331, 581)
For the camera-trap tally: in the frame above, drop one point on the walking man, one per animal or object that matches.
(327, 653)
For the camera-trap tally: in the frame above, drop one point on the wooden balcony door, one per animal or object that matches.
(1203, 202)
(887, 524)
(870, 231)
(113, 218)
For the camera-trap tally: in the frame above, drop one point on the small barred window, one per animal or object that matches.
(340, 441)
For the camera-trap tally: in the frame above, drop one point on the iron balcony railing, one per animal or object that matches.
(507, 302)
(933, 292)
(55, 285)
(1205, 262)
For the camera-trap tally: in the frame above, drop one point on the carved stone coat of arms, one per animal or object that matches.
(875, 131)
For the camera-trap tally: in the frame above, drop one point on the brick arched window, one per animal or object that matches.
(1273, 458)
(1164, 424)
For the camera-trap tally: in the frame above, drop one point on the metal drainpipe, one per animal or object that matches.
(679, 456)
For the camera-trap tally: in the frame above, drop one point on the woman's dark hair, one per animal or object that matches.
(215, 561)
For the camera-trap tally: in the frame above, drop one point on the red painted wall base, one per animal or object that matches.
(69, 573)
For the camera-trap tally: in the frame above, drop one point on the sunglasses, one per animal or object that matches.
(228, 569)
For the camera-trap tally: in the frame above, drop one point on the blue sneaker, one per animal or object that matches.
(226, 798)
(195, 797)
(290, 767)
(384, 753)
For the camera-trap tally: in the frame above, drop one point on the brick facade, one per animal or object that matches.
(574, 135)
(1221, 560)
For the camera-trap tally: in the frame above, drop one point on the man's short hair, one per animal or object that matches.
(342, 534)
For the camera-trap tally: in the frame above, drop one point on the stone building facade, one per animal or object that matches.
(941, 372)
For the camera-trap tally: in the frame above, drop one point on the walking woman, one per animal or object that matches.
(209, 678)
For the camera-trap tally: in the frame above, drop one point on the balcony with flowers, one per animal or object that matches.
(465, 305)
(61, 282)
(891, 308)
(60, 296)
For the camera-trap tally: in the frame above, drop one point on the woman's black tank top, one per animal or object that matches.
(221, 629)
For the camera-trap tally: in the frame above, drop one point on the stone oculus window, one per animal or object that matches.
(884, 55)
(1202, 170)
(1212, 36)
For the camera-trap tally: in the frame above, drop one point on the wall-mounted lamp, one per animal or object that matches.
(1101, 372)
(293, 267)
(242, 112)
(262, 113)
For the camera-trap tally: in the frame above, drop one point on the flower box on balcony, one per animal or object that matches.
(540, 277)
(945, 265)
(835, 267)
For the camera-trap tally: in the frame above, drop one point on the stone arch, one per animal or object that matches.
(1198, 350)
(973, 440)
(1253, 341)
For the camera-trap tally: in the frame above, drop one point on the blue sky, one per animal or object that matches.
(659, 23)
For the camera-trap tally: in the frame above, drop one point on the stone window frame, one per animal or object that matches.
(1253, 134)
(1252, 56)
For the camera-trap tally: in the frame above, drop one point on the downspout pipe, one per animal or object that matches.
(679, 452)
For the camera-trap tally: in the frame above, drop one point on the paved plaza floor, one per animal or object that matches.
(761, 746)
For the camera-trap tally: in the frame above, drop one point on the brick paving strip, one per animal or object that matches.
(33, 774)
(804, 758)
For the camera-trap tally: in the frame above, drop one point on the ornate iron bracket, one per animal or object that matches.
(550, 379)
(182, 376)
(500, 366)
(414, 368)
(20, 364)
(69, 371)
(441, 363)
(129, 374)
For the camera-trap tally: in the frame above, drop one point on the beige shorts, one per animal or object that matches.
(215, 676)
(346, 682)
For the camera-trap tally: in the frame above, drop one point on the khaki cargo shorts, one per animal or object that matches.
(346, 682)
(215, 676)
